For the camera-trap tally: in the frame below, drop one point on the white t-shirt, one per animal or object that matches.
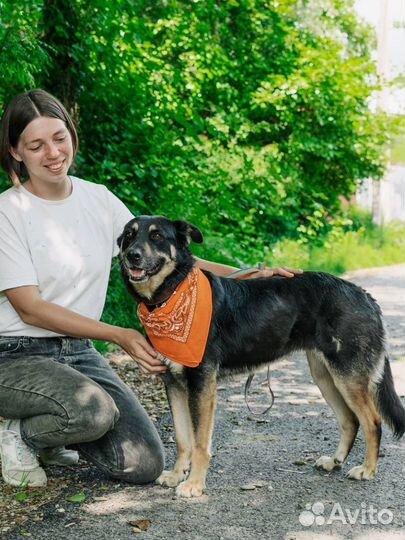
(62, 247)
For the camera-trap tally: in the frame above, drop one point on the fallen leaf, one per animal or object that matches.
(140, 525)
(78, 498)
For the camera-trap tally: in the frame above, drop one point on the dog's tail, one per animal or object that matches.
(388, 402)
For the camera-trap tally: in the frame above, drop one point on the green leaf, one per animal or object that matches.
(78, 498)
(21, 496)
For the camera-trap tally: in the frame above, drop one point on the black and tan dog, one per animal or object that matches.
(255, 322)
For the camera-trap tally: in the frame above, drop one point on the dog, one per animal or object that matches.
(255, 322)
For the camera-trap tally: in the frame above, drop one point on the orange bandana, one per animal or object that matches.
(179, 328)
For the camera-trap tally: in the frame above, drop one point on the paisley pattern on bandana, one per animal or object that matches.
(179, 328)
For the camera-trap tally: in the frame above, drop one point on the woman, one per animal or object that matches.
(58, 235)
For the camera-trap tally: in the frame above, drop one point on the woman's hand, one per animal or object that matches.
(139, 349)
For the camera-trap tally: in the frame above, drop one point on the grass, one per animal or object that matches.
(363, 246)
(356, 250)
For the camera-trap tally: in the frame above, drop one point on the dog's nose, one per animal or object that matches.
(134, 256)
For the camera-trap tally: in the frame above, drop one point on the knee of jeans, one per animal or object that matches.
(145, 468)
(99, 415)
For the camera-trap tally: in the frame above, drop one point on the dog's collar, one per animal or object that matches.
(179, 327)
(157, 304)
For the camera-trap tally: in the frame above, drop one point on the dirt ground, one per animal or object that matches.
(261, 482)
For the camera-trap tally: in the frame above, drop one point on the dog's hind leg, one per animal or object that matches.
(348, 422)
(358, 396)
(202, 406)
(178, 398)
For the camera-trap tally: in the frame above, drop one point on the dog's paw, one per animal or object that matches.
(171, 478)
(327, 463)
(190, 488)
(361, 472)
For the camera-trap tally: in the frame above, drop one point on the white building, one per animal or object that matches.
(387, 198)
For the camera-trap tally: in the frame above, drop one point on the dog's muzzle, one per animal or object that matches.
(136, 274)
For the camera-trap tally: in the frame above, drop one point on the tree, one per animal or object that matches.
(249, 118)
(22, 56)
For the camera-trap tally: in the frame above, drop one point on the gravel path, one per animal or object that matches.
(262, 482)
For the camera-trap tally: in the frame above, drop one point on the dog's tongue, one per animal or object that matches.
(137, 273)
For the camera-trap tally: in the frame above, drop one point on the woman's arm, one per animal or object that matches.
(35, 311)
(248, 273)
(216, 268)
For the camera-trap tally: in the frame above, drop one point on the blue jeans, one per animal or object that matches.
(66, 394)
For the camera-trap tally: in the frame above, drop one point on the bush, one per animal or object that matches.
(357, 244)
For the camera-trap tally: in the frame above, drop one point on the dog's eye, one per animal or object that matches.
(129, 236)
(156, 236)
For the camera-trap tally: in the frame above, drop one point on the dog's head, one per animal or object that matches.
(154, 254)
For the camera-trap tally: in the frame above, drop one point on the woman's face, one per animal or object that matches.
(45, 147)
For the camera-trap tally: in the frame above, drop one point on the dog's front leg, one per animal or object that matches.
(178, 398)
(202, 406)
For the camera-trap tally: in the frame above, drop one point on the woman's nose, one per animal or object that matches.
(52, 150)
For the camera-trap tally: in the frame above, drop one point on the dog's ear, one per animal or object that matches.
(188, 232)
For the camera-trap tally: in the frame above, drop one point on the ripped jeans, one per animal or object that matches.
(66, 394)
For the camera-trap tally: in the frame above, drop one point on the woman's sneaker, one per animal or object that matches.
(58, 456)
(19, 463)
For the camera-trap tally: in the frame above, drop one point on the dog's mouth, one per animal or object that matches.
(137, 274)
(140, 275)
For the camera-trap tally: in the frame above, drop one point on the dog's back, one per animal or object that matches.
(274, 316)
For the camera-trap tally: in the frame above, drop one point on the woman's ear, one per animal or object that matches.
(16, 167)
(15, 154)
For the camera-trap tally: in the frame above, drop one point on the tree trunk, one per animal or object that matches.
(60, 20)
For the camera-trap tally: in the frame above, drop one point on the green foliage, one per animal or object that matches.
(22, 55)
(356, 250)
(256, 110)
(286, 130)
(355, 243)
(249, 118)
(398, 140)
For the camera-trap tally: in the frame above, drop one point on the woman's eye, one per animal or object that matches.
(35, 149)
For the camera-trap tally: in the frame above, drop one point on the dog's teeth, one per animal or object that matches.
(137, 273)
